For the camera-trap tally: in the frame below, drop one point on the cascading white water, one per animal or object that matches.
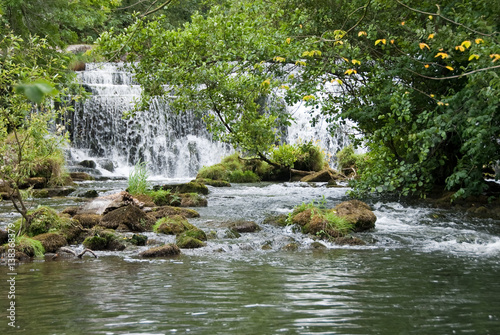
(173, 145)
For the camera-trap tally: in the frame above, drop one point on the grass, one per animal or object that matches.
(138, 179)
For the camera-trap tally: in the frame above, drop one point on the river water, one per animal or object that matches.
(423, 271)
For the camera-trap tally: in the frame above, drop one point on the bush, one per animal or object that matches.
(239, 176)
(302, 156)
(348, 161)
(163, 197)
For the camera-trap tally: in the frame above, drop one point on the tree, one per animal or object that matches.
(421, 83)
(223, 66)
(27, 147)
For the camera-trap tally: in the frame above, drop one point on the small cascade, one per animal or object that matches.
(174, 145)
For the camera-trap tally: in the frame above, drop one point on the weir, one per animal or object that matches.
(174, 145)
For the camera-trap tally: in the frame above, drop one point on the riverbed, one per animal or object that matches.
(422, 271)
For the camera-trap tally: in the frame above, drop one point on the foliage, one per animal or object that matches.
(214, 65)
(239, 176)
(138, 179)
(305, 156)
(348, 161)
(421, 83)
(163, 197)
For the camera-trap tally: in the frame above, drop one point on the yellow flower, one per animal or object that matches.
(430, 37)
(423, 45)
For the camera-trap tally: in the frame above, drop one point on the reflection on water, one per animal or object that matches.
(327, 292)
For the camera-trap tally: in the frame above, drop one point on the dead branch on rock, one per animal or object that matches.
(79, 255)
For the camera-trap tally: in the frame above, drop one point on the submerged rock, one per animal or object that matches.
(276, 220)
(53, 192)
(242, 226)
(357, 213)
(162, 251)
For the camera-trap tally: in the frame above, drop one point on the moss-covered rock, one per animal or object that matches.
(162, 251)
(172, 225)
(103, 239)
(88, 220)
(45, 219)
(348, 240)
(4, 236)
(193, 200)
(71, 211)
(160, 212)
(242, 226)
(191, 187)
(35, 182)
(29, 246)
(139, 240)
(185, 241)
(53, 192)
(211, 182)
(130, 216)
(357, 213)
(51, 241)
(276, 220)
(80, 176)
(231, 233)
(196, 233)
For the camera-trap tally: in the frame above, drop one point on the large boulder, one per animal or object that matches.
(88, 220)
(108, 203)
(130, 216)
(357, 213)
(162, 251)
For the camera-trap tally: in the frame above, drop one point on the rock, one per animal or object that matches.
(51, 241)
(71, 211)
(103, 239)
(53, 192)
(193, 200)
(187, 242)
(348, 240)
(191, 187)
(317, 245)
(88, 163)
(357, 213)
(80, 176)
(163, 251)
(4, 187)
(291, 246)
(88, 220)
(173, 225)
(35, 182)
(211, 182)
(231, 233)
(242, 226)
(4, 237)
(106, 204)
(139, 240)
(323, 176)
(107, 165)
(160, 212)
(89, 194)
(79, 48)
(196, 233)
(276, 220)
(130, 215)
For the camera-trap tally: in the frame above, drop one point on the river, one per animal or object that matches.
(423, 271)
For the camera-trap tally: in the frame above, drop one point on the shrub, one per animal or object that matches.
(137, 180)
(161, 197)
(349, 161)
(239, 176)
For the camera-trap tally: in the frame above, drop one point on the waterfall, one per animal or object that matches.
(173, 145)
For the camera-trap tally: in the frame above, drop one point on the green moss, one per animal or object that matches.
(214, 172)
(44, 220)
(29, 246)
(188, 242)
(161, 197)
(95, 242)
(172, 225)
(214, 183)
(197, 234)
(102, 239)
(238, 176)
